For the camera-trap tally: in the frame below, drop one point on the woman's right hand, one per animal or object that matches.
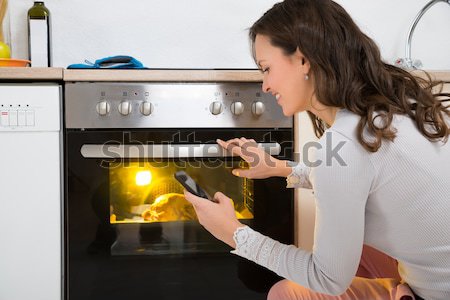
(262, 165)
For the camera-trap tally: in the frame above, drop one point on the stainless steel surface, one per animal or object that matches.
(408, 62)
(171, 105)
(164, 150)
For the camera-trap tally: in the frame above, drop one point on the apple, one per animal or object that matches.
(4, 51)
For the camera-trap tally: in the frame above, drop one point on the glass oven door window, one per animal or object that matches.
(150, 215)
(147, 192)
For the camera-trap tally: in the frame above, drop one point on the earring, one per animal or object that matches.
(306, 77)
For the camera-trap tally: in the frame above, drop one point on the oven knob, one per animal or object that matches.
(146, 108)
(258, 108)
(103, 108)
(125, 108)
(216, 107)
(237, 108)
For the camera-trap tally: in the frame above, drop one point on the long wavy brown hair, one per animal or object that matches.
(349, 73)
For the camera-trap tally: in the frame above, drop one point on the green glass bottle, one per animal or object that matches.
(39, 35)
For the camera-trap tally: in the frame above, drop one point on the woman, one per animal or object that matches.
(390, 187)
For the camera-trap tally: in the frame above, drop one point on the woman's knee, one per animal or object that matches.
(287, 290)
(278, 290)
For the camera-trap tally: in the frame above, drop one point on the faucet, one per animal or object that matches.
(407, 62)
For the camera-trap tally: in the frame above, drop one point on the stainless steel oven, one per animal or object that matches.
(129, 232)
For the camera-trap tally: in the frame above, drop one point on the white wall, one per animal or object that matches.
(162, 34)
(212, 34)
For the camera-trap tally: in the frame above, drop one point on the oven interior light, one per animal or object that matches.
(143, 178)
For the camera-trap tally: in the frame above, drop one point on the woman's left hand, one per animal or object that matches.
(219, 217)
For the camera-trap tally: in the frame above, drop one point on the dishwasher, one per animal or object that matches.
(30, 191)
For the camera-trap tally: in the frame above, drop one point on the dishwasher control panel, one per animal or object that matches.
(30, 107)
(16, 117)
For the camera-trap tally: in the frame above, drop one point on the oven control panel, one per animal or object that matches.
(29, 107)
(171, 105)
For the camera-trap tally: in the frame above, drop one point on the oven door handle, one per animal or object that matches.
(164, 150)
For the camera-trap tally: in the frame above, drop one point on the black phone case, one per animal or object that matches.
(189, 184)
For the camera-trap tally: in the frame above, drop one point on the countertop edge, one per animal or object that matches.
(443, 75)
(153, 75)
(163, 75)
(191, 75)
(18, 73)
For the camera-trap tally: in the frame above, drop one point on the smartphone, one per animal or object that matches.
(190, 185)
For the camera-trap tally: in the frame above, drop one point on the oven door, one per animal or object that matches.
(131, 233)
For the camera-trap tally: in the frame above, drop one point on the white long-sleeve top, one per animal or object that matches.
(396, 200)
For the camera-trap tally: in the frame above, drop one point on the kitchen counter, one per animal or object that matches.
(163, 75)
(53, 74)
(160, 75)
(184, 75)
(438, 75)
(194, 76)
